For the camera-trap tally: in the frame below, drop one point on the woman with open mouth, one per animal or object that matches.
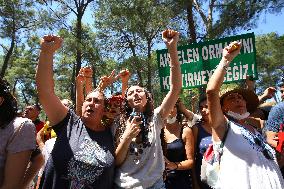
(139, 156)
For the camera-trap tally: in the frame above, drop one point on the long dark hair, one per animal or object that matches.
(180, 116)
(8, 108)
(126, 111)
(149, 107)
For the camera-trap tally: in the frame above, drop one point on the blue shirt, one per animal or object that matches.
(275, 118)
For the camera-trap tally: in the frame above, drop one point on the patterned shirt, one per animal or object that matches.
(81, 158)
(275, 118)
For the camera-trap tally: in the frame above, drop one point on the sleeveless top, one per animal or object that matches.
(178, 179)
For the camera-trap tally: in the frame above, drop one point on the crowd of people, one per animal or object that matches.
(125, 142)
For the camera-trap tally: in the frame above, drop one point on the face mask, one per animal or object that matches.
(171, 120)
(238, 116)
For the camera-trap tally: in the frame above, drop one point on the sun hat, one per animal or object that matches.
(250, 97)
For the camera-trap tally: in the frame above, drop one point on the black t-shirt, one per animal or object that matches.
(81, 158)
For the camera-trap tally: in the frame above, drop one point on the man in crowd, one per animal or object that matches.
(37, 160)
(32, 112)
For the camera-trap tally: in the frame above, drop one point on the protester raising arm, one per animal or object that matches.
(88, 74)
(234, 139)
(105, 81)
(170, 38)
(268, 93)
(190, 116)
(216, 116)
(80, 80)
(52, 105)
(124, 75)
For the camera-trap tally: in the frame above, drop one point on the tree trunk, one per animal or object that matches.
(209, 24)
(73, 85)
(14, 87)
(78, 63)
(149, 77)
(135, 64)
(8, 56)
(190, 21)
(25, 98)
(79, 43)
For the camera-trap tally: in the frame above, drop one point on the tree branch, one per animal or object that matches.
(199, 10)
(4, 47)
(62, 2)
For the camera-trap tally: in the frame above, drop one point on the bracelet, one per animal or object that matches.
(175, 66)
(223, 66)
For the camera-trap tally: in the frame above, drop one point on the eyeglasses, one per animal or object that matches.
(267, 154)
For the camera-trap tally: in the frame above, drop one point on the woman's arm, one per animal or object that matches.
(15, 168)
(105, 81)
(171, 38)
(33, 169)
(216, 116)
(124, 75)
(80, 79)
(272, 138)
(267, 94)
(131, 131)
(187, 113)
(52, 106)
(88, 74)
(40, 138)
(188, 139)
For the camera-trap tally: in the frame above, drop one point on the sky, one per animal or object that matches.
(270, 23)
(267, 23)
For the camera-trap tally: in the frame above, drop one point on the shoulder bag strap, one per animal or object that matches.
(225, 135)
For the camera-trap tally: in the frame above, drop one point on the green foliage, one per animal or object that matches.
(66, 58)
(21, 71)
(128, 30)
(270, 58)
(213, 19)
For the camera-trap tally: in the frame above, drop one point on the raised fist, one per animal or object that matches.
(50, 43)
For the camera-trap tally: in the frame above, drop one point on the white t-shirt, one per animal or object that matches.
(243, 164)
(146, 168)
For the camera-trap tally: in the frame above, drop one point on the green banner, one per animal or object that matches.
(199, 60)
